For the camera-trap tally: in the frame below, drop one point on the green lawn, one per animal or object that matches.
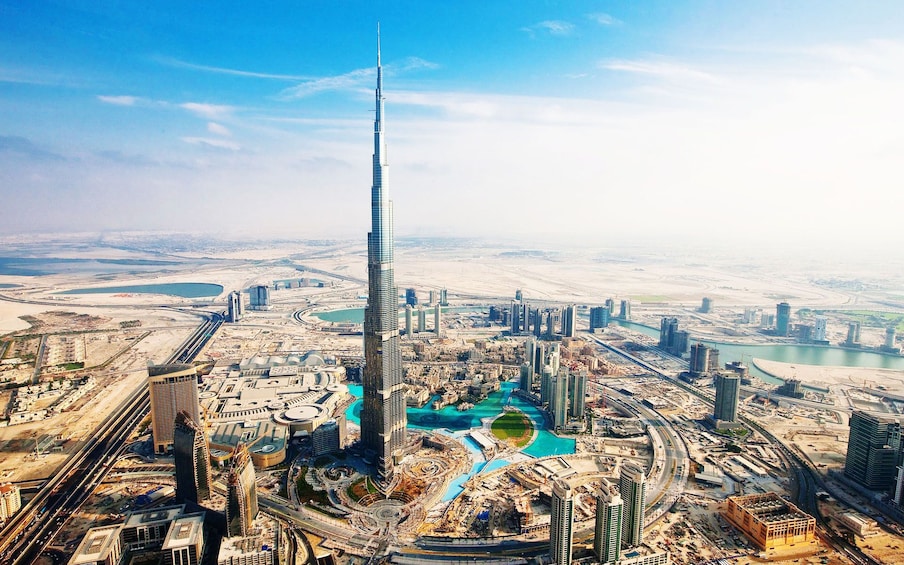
(514, 427)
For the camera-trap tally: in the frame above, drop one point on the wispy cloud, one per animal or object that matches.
(23, 146)
(177, 63)
(349, 80)
(218, 129)
(119, 100)
(209, 111)
(662, 69)
(213, 142)
(552, 27)
(412, 64)
(603, 19)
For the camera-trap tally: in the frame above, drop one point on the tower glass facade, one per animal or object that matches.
(383, 418)
(633, 489)
(608, 526)
(728, 390)
(172, 388)
(241, 495)
(191, 457)
(561, 525)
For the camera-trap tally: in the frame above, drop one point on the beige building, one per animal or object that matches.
(773, 524)
(10, 501)
(173, 388)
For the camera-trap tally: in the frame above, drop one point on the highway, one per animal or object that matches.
(26, 535)
(806, 481)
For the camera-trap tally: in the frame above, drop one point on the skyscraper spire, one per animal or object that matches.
(383, 418)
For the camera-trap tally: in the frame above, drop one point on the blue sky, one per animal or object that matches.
(600, 119)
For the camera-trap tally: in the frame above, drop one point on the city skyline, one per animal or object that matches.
(781, 115)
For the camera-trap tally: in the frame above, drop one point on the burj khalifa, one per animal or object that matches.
(383, 418)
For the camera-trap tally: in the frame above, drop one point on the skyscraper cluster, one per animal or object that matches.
(383, 417)
(671, 339)
(547, 323)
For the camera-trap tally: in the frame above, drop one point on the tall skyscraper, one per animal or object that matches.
(599, 317)
(561, 523)
(437, 318)
(728, 390)
(577, 392)
(624, 311)
(235, 307)
(569, 320)
(409, 320)
(525, 380)
(173, 388)
(259, 297)
(632, 487)
(421, 319)
(874, 450)
(383, 418)
(443, 297)
(819, 328)
(608, 526)
(853, 335)
(410, 293)
(782, 318)
(558, 402)
(241, 494)
(191, 458)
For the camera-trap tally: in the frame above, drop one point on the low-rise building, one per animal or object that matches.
(772, 523)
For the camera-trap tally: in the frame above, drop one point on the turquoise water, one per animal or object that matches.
(9, 285)
(183, 290)
(789, 353)
(546, 443)
(356, 315)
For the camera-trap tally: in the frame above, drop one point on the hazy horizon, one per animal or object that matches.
(753, 125)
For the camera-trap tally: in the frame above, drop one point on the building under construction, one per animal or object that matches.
(772, 523)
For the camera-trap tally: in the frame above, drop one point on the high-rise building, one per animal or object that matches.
(241, 494)
(569, 320)
(443, 297)
(699, 359)
(625, 310)
(610, 305)
(546, 384)
(608, 526)
(409, 321)
(819, 329)
(383, 418)
(728, 390)
(577, 392)
(706, 305)
(599, 318)
(853, 335)
(410, 295)
(671, 340)
(191, 458)
(782, 318)
(10, 500)
(561, 523)
(437, 318)
(632, 487)
(874, 450)
(516, 317)
(326, 438)
(432, 295)
(421, 319)
(558, 402)
(173, 388)
(525, 380)
(519, 296)
(235, 307)
(890, 333)
(259, 297)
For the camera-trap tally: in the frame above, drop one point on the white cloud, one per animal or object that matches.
(172, 62)
(603, 19)
(119, 100)
(218, 129)
(552, 27)
(660, 68)
(210, 111)
(213, 142)
(351, 79)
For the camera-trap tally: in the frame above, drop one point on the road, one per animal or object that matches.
(26, 535)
